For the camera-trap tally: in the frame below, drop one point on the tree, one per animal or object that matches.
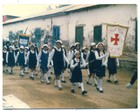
(14, 36)
(37, 34)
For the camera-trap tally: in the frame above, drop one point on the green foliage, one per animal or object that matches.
(14, 36)
(37, 34)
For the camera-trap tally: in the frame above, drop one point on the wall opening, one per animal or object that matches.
(79, 35)
(97, 30)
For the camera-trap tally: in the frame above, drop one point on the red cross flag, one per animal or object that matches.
(116, 35)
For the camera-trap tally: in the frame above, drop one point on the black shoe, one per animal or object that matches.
(32, 78)
(89, 83)
(116, 82)
(97, 88)
(101, 91)
(21, 75)
(48, 82)
(84, 92)
(60, 88)
(63, 81)
(72, 91)
(41, 81)
(109, 81)
(36, 74)
(49, 78)
(95, 85)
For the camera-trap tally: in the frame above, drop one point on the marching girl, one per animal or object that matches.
(4, 59)
(84, 53)
(58, 57)
(21, 60)
(77, 48)
(92, 64)
(76, 65)
(32, 57)
(26, 65)
(112, 69)
(70, 58)
(10, 59)
(16, 49)
(101, 64)
(43, 58)
(65, 65)
(36, 50)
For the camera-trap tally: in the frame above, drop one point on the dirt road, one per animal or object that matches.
(41, 95)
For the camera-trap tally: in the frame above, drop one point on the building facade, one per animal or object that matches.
(82, 23)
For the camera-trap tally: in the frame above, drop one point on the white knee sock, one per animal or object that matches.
(32, 74)
(114, 77)
(59, 83)
(46, 77)
(95, 80)
(79, 84)
(89, 79)
(62, 76)
(10, 69)
(72, 86)
(49, 73)
(26, 69)
(55, 82)
(21, 72)
(82, 87)
(100, 81)
(109, 76)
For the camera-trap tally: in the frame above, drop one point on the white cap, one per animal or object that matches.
(11, 46)
(21, 47)
(26, 47)
(77, 43)
(59, 41)
(71, 46)
(100, 43)
(45, 45)
(92, 44)
(5, 47)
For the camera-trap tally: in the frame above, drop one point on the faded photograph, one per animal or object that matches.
(70, 56)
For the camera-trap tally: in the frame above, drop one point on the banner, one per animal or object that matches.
(23, 40)
(116, 35)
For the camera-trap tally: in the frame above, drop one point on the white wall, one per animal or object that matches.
(117, 14)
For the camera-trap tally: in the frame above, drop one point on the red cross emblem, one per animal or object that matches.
(116, 39)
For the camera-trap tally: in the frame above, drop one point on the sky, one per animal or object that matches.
(23, 10)
(30, 7)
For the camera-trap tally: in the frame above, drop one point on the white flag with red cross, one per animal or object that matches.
(116, 35)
